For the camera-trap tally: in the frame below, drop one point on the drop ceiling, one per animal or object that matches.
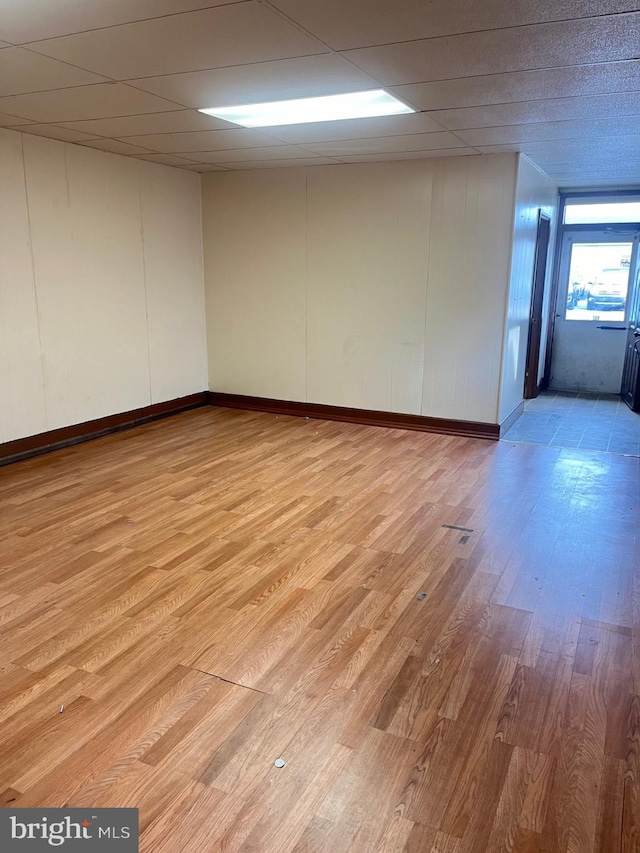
(559, 82)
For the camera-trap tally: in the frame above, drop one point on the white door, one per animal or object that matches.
(589, 336)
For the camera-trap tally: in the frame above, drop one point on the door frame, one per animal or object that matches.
(543, 243)
(566, 195)
(630, 386)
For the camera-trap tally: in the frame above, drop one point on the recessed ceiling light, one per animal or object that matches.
(375, 102)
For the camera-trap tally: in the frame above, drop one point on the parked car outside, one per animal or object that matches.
(609, 291)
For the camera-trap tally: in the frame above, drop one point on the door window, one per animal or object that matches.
(598, 281)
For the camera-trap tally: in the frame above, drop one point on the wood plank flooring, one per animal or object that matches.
(439, 636)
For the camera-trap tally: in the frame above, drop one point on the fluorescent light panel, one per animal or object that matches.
(375, 102)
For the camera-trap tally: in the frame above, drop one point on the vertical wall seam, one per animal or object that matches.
(203, 278)
(144, 278)
(33, 278)
(306, 285)
(426, 284)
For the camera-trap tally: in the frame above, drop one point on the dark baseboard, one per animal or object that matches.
(45, 442)
(34, 445)
(511, 419)
(469, 429)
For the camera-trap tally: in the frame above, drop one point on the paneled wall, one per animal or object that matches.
(534, 191)
(367, 255)
(101, 284)
(373, 285)
(468, 275)
(255, 268)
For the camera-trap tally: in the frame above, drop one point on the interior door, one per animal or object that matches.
(591, 313)
(630, 391)
(535, 316)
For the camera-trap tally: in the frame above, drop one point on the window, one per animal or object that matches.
(600, 211)
(598, 280)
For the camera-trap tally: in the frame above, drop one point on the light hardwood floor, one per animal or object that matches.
(215, 591)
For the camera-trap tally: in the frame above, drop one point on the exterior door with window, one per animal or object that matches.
(589, 340)
(630, 391)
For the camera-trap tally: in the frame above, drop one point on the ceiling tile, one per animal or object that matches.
(212, 38)
(542, 131)
(9, 121)
(205, 167)
(24, 21)
(407, 155)
(114, 146)
(595, 184)
(53, 132)
(306, 76)
(356, 23)
(166, 159)
(495, 51)
(332, 131)
(382, 144)
(597, 106)
(599, 179)
(103, 100)
(610, 177)
(612, 148)
(24, 71)
(280, 164)
(566, 180)
(204, 140)
(177, 121)
(591, 161)
(232, 155)
(570, 177)
(523, 86)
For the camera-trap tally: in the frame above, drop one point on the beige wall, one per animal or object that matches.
(377, 285)
(101, 290)
(534, 191)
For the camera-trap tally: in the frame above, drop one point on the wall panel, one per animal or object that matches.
(377, 285)
(85, 230)
(172, 242)
(368, 245)
(255, 258)
(101, 283)
(22, 402)
(467, 285)
(534, 191)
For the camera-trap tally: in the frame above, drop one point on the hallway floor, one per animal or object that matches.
(565, 419)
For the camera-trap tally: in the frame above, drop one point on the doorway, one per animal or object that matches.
(594, 289)
(589, 338)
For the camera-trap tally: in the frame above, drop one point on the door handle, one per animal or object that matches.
(614, 328)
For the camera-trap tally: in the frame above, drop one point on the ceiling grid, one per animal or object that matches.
(559, 82)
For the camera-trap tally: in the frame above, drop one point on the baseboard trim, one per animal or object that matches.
(368, 417)
(510, 420)
(45, 442)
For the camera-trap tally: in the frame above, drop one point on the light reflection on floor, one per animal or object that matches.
(564, 419)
